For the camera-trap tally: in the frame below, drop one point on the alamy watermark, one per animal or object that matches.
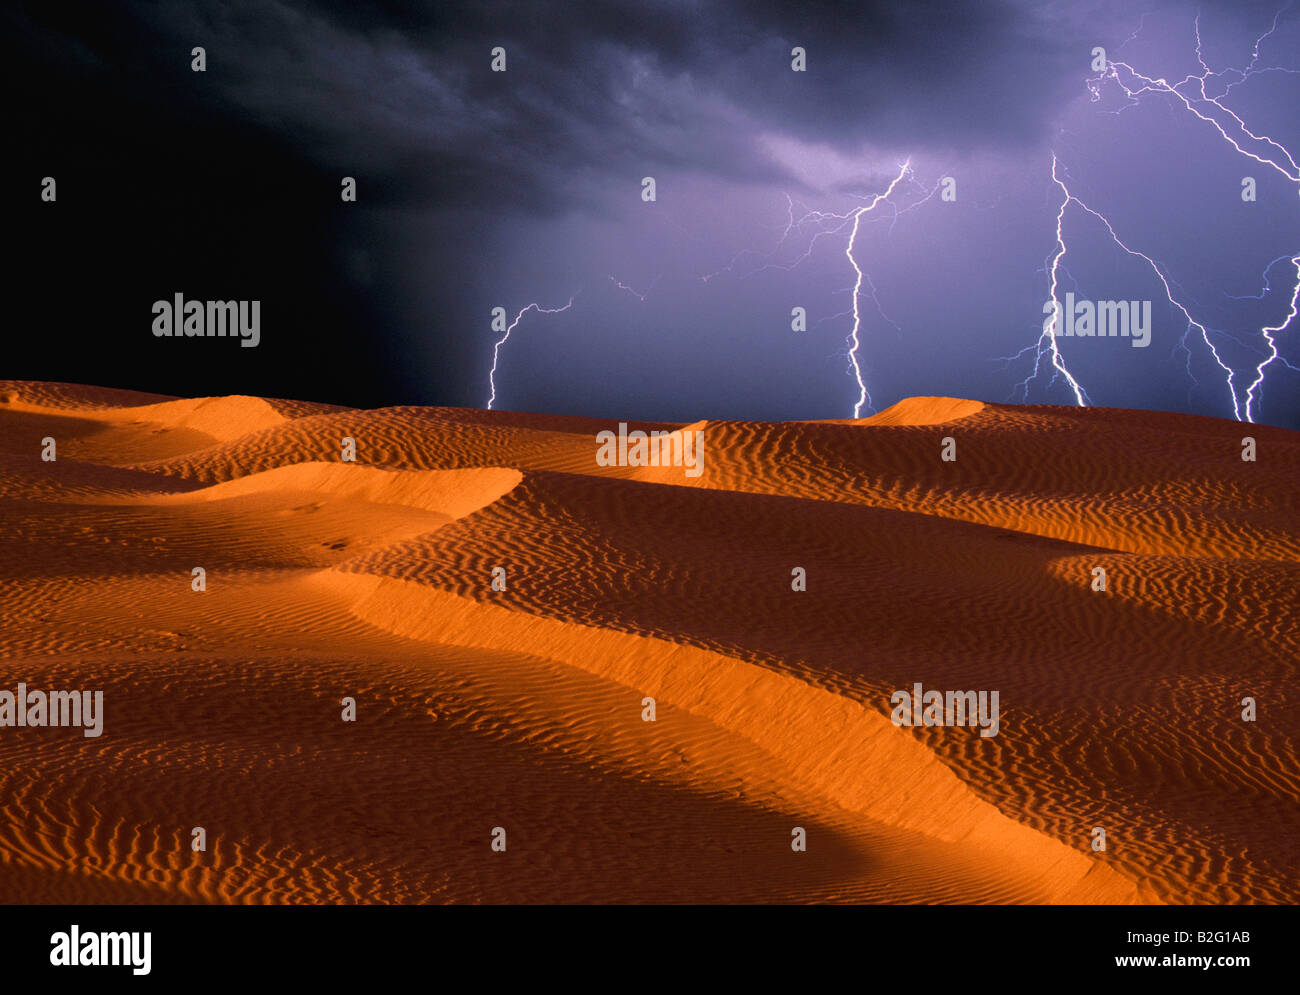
(683, 447)
(1099, 319)
(61, 709)
(95, 949)
(180, 318)
(946, 708)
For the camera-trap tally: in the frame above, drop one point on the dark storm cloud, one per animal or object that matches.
(402, 93)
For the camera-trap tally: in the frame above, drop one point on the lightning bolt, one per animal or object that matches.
(826, 224)
(864, 397)
(1267, 332)
(1193, 94)
(1164, 282)
(496, 349)
(1049, 332)
(1288, 168)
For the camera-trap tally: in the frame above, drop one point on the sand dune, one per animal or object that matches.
(522, 708)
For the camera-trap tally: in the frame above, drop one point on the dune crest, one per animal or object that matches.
(454, 493)
(223, 418)
(831, 746)
(925, 411)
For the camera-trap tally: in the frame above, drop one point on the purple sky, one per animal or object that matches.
(481, 189)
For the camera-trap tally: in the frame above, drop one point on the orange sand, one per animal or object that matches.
(522, 709)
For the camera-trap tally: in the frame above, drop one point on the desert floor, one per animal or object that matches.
(522, 709)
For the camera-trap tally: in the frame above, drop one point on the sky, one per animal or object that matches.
(479, 190)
